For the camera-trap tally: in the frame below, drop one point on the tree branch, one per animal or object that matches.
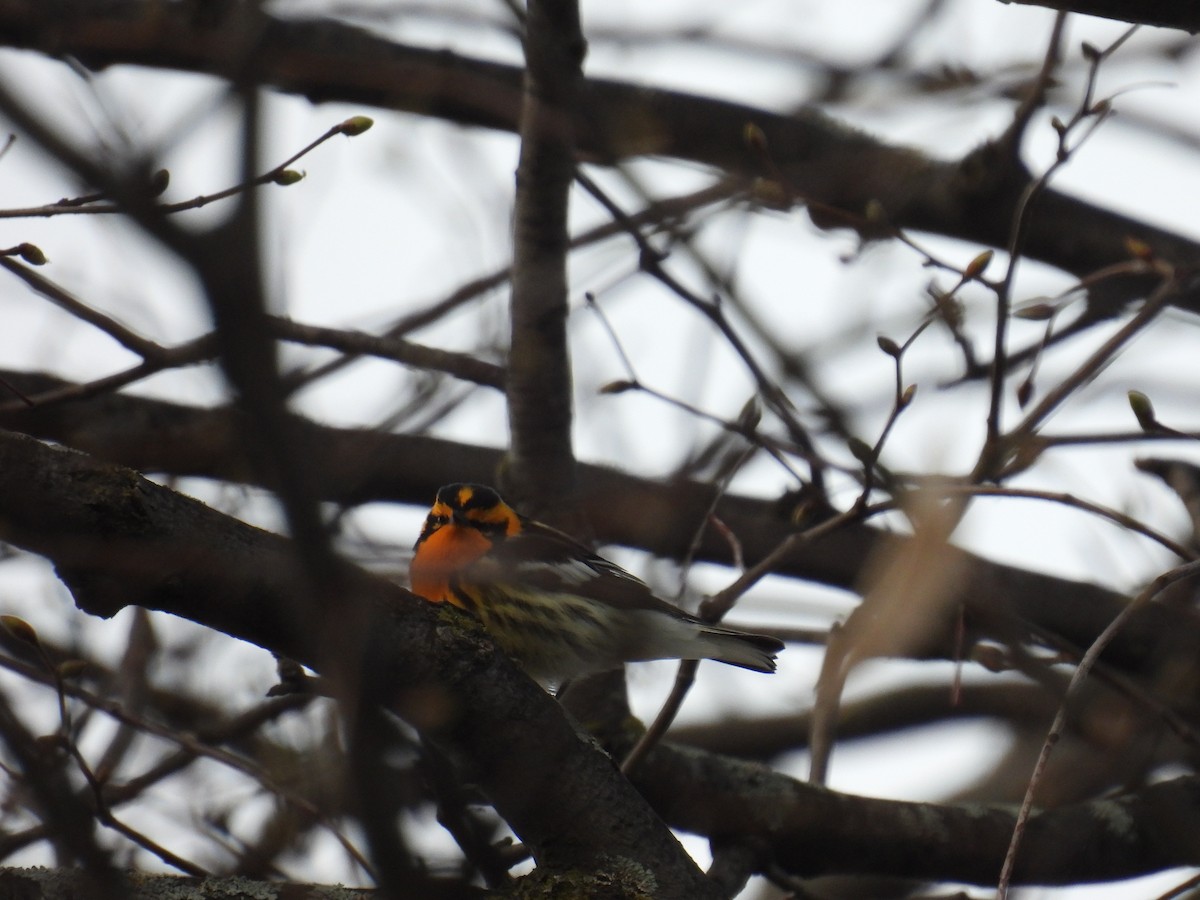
(117, 540)
(360, 465)
(840, 171)
(541, 464)
(1163, 13)
(812, 831)
(66, 884)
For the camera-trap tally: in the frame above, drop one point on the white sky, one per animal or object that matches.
(395, 219)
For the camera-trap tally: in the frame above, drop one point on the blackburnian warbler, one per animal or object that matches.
(550, 602)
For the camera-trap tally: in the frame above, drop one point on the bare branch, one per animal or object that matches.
(117, 540)
(1163, 13)
(834, 168)
(541, 460)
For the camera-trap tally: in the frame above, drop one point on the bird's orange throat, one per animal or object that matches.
(440, 556)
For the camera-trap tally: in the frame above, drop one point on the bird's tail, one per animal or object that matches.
(741, 648)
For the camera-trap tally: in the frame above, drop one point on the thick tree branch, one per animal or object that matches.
(117, 540)
(65, 884)
(840, 171)
(360, 465)
(541, 467)
(1164, 13)
(811, 830)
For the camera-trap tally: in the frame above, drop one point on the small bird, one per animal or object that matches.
(550, 602)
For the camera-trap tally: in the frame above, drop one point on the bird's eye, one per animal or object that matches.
(434, 521)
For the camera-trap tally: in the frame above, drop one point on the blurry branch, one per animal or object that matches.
(1164, 13)
(894, 68)
(131, 685)
(360, 465)
(65, 741)
(657, 214)
(39, 767)
(540, 469)
(902, 398)
(744, 427)
(326, 622)
(105, 816)
(418, 356)
(480, 836)
(712, 609)
(1083, 374)
(1086, 118)
(63, 299)
(1124, 520)
(1019, 843)
(839, 171)
(94, 204)
(117, 540)
(685, 236)
(67, 884)
(1183, 478)
(157, 358)
(1010, 143)
(1037, 91)
(650, 261)
(225, 258)
(226, 261)
(839, 78)
(909, 592)
(808, 830)
(357, 465)
(193, 741)
(765, 737)
(182, 355)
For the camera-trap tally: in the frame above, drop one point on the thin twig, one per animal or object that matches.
(92, 204)
(685, 676)
(1161, 583)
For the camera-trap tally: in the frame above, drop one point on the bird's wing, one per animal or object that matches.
(541, 558)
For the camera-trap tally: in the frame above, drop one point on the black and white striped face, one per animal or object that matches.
(472, 506)
(465, 523)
